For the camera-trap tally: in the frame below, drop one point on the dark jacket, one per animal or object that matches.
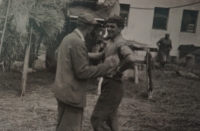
(164, 45)
(73, 71)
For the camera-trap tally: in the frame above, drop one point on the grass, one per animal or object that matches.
(175, 105)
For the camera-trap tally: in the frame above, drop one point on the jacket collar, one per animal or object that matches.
(80, 34)
(116, 38)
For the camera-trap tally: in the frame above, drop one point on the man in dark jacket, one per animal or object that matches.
(165, 46)
(72, 73)
(112, 90)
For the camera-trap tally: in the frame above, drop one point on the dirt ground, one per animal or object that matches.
(175, 105)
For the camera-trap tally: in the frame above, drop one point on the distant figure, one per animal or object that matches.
(109, 8)
(114, 7)
(102, 38)
(165, 46)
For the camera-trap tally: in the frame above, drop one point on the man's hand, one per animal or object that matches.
(112, 61)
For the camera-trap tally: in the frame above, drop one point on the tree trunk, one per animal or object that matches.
(25, 69)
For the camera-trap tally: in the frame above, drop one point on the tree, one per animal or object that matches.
(45, 16)
(31, 22)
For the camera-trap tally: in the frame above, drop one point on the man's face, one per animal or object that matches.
(167, 36)
(113, 30)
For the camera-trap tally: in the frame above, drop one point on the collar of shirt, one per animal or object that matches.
(116, 38)
(80, 34)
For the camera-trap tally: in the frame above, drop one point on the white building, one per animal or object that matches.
(149, 20)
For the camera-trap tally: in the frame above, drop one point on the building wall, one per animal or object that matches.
(140, 23)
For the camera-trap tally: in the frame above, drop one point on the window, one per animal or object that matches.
(189, 21)
(160, 18)
(124, 12)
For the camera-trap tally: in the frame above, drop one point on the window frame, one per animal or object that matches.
(154, 19)
(121, 13)
(196, 21)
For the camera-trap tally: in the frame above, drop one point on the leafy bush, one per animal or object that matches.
(44, 16)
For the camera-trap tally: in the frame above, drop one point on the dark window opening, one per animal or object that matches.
(124, 12)
(189, 21)
(160, 19)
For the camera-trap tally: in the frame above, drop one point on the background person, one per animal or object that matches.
(165, 46)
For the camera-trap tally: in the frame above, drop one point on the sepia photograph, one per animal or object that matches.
(99, 65)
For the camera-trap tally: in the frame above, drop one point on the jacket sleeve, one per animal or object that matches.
(82, 69)
(158, 43)
(124, 51)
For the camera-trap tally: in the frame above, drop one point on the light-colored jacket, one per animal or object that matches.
(73, 71)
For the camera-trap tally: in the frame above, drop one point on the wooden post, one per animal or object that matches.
(136, 73)
(25, 68)
(99, 86)
(149, 77)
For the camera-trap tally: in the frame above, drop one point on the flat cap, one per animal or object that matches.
(86, 18)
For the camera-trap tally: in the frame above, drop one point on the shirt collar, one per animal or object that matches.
(80, 34)
(116, 38)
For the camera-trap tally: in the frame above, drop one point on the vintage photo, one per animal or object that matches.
(99, 65)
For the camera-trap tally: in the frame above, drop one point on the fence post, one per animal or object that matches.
(136, 73)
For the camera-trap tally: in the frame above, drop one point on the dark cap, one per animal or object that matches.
(116, 19)
(86, 18)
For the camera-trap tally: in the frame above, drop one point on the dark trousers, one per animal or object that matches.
(164, 57)
(69, 117)
(105, 111)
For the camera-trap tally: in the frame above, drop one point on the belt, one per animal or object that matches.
(114, 78)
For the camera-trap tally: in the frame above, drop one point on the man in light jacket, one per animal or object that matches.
(72, 73)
